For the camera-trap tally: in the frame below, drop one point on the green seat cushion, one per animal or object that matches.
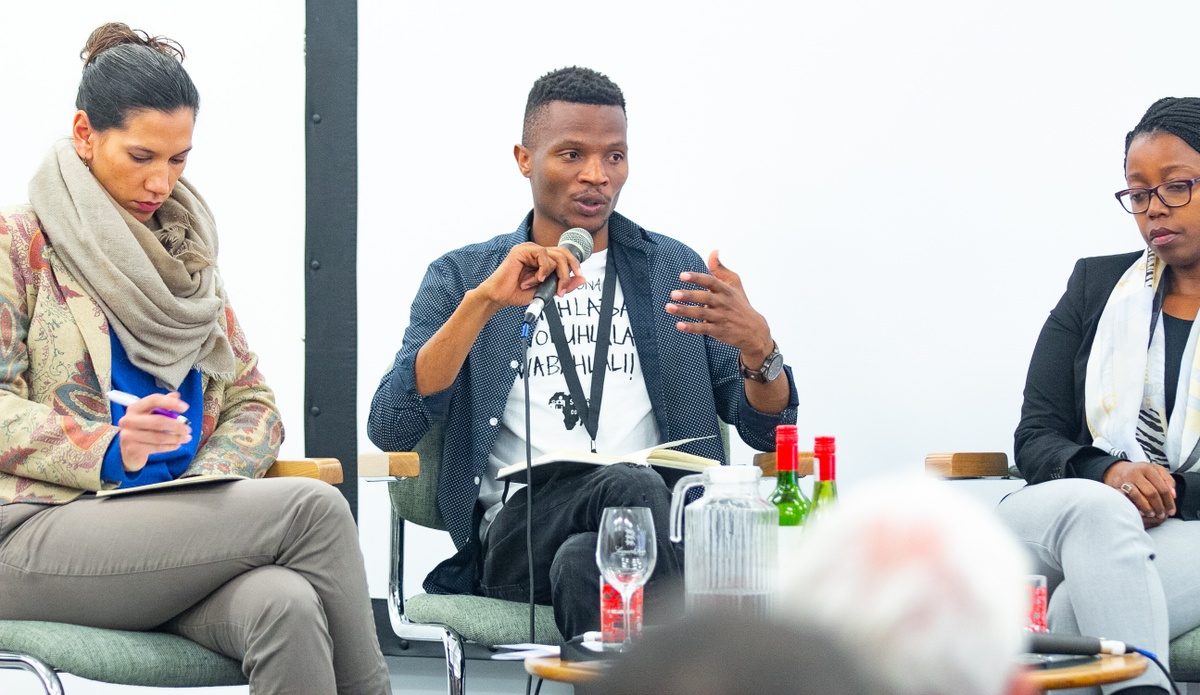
(120, 656)
(1185, 657)
(489, 621)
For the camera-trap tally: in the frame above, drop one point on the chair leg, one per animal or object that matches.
(37, 667)
(456, 662)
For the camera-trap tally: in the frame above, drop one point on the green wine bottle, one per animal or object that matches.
(825, 487)
(788, 498)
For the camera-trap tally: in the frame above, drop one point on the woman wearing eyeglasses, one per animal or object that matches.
(1109, 436)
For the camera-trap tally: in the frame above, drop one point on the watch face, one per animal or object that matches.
(774, 367)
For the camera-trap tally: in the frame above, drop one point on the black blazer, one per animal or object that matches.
(1052, 439)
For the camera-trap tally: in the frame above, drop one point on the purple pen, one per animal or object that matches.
(128, 399)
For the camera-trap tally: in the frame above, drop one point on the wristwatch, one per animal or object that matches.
(770, 370)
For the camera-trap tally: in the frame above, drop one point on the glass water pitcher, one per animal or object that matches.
(729, 538)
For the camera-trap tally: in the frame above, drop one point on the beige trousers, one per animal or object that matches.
(265, 571)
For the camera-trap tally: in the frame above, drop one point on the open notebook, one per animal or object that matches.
(669, 462)
(168, 484)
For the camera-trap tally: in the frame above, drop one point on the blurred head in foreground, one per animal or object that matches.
(712, 654)
(922, 583)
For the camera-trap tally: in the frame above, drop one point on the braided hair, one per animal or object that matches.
(575, 85)
(127, 70)
(1179, 116)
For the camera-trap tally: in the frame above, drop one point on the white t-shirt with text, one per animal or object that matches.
(627, 421)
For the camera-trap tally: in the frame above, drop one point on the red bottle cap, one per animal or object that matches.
(824, 453)
(786, 445)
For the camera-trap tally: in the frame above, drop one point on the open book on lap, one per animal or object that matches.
(671, 463)
(168, 484)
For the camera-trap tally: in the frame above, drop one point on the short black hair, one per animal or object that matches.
(575, 85)
(127, 70)
(1179, 116)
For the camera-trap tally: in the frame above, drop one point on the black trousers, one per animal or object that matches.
(566, 518)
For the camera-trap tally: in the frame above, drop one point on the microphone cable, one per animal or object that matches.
(1154, 658)
(526, 339)
(1050, 643)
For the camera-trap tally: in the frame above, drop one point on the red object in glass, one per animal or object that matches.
(612, 617)
(1037, 608)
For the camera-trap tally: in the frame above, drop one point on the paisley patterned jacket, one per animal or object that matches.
(56, 364)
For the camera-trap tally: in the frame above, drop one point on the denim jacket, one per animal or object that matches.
(692, 380)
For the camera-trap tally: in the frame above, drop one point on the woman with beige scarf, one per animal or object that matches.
(109, 281)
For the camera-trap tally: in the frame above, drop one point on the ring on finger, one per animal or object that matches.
(1127, 488)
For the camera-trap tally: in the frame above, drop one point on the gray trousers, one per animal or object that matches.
(265, 571)
(1108, 577)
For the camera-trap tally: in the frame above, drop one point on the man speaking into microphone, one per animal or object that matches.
(642, 343)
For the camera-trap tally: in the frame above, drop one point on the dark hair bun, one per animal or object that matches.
(126, 70)
(118, 33)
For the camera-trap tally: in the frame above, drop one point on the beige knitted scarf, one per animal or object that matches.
(160, 290)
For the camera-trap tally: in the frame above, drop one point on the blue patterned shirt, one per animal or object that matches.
(692, 380)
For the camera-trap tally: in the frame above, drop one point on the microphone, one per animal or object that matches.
(1046, 643)
(579, 243)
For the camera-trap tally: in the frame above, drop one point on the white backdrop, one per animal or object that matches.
(904, 187)
(247, 60)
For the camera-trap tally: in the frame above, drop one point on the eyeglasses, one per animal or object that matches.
(1173, 194)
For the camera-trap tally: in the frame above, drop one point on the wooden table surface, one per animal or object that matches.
(555, 669)
(1109, 669)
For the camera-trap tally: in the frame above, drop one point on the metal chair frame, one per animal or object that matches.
(41, 670)
(452, 642)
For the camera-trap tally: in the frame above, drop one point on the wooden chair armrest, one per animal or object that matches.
(383, 464)
(967, 464)
(766, 461)
(329, 470)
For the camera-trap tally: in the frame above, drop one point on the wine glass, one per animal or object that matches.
(625, 554)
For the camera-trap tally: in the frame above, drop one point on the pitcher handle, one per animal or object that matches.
(678, 498)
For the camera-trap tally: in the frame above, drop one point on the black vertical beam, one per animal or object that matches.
(331, 236)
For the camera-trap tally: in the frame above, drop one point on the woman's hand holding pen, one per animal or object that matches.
(144, 432)
(1150, 487)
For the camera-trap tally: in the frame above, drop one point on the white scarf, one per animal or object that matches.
(1124, 393)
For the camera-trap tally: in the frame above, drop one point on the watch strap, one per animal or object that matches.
(760, 374)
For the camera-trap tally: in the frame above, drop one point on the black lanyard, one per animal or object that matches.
(589, 410)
